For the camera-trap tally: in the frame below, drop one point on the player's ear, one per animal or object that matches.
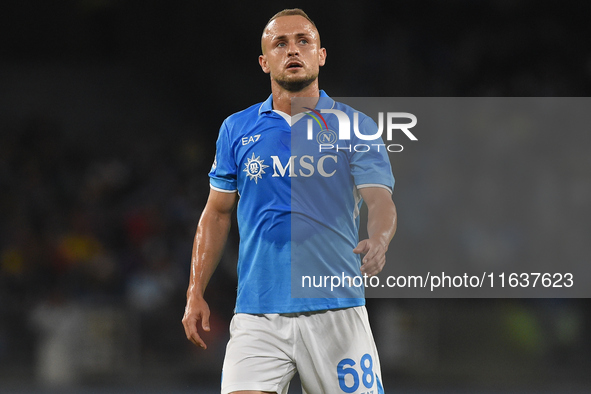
(322, 57)
(263, 63)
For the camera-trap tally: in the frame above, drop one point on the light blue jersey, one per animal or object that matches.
(298, 207)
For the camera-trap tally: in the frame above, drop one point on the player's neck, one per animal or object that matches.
(282, 98)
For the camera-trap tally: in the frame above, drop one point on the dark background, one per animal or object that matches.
(109, 111)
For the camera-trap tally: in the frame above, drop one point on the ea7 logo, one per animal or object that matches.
(345, 125)
(248, 140)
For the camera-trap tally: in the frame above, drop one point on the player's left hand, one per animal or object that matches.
(375, 256)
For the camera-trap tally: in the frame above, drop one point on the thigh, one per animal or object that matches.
(259, 354)
(337, 353)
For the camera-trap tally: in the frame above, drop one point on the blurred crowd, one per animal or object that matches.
(78, 225)
(89, 222)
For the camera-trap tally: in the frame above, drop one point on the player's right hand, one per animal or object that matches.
(196, 310)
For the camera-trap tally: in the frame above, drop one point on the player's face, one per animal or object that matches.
(291, 52)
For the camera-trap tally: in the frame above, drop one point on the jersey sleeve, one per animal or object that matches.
(370, 165)
(223, 174)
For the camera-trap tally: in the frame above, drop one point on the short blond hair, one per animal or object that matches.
(289, 12)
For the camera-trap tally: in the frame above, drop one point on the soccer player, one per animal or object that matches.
(293, 208)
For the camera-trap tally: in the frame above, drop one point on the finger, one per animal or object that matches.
(187, 327)
(372, 270)
(368, 270)
(191, 332)
(205, 320)
(374, 267)
(374, 256)
(370, 254)
(196, 339)
(361, 247)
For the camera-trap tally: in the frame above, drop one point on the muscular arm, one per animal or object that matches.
(208, 245)
(381, 226)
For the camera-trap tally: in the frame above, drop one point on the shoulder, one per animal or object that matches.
(241, 122)
(246, 115)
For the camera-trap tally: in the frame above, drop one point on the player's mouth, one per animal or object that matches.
(294, 65)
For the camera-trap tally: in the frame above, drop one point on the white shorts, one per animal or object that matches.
(333, 351)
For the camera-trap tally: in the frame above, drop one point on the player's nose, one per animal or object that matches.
(292, 49)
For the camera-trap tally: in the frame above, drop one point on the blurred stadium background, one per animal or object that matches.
(109, 111)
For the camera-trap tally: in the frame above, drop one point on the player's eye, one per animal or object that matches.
(280, 44)
(303, 41)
